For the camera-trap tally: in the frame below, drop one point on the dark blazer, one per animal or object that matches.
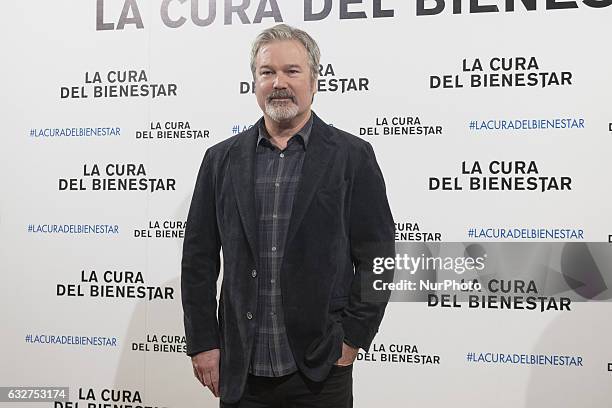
(340, 221)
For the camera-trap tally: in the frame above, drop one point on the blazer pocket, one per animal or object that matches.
(332, 198)
(334, 189)
(338, 303)
(327, 348)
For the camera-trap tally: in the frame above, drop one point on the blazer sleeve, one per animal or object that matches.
(200, 265)
(372, 234)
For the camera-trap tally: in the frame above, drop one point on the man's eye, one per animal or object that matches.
(266, 72)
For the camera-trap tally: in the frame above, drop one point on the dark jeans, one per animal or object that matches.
(297, 391)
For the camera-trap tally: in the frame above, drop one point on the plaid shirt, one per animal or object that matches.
(276, 181)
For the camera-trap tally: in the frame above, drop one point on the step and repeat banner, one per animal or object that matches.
(491, 122)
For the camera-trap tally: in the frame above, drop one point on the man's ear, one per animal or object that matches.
(314, 87)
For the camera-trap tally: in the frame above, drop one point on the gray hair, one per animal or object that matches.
(282, 32)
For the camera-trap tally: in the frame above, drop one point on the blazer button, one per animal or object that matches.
(254, 273)
(249, 315)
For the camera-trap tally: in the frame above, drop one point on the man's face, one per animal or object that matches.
(283, 84)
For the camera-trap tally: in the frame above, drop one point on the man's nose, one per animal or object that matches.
(280, 81)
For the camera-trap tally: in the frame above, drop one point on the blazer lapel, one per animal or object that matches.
(242, 169)
(319, 152)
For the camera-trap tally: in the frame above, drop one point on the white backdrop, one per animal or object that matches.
(52, 52)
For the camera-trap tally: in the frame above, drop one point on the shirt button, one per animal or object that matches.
(276, 184)
(272, 280)
(272, 313)
(254, 273)
(282, 155)
(249, 315)
(274, 248)
(274, 215)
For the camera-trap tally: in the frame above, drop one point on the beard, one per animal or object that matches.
(281, 110)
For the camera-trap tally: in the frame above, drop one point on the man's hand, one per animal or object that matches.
(206, 369)
(349, 354)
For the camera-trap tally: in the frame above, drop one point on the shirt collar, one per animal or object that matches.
(304, 132)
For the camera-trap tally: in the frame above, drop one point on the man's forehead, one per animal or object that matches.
(291, 50)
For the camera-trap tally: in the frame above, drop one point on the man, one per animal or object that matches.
(300, 211)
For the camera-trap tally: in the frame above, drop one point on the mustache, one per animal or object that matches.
(281, 93)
